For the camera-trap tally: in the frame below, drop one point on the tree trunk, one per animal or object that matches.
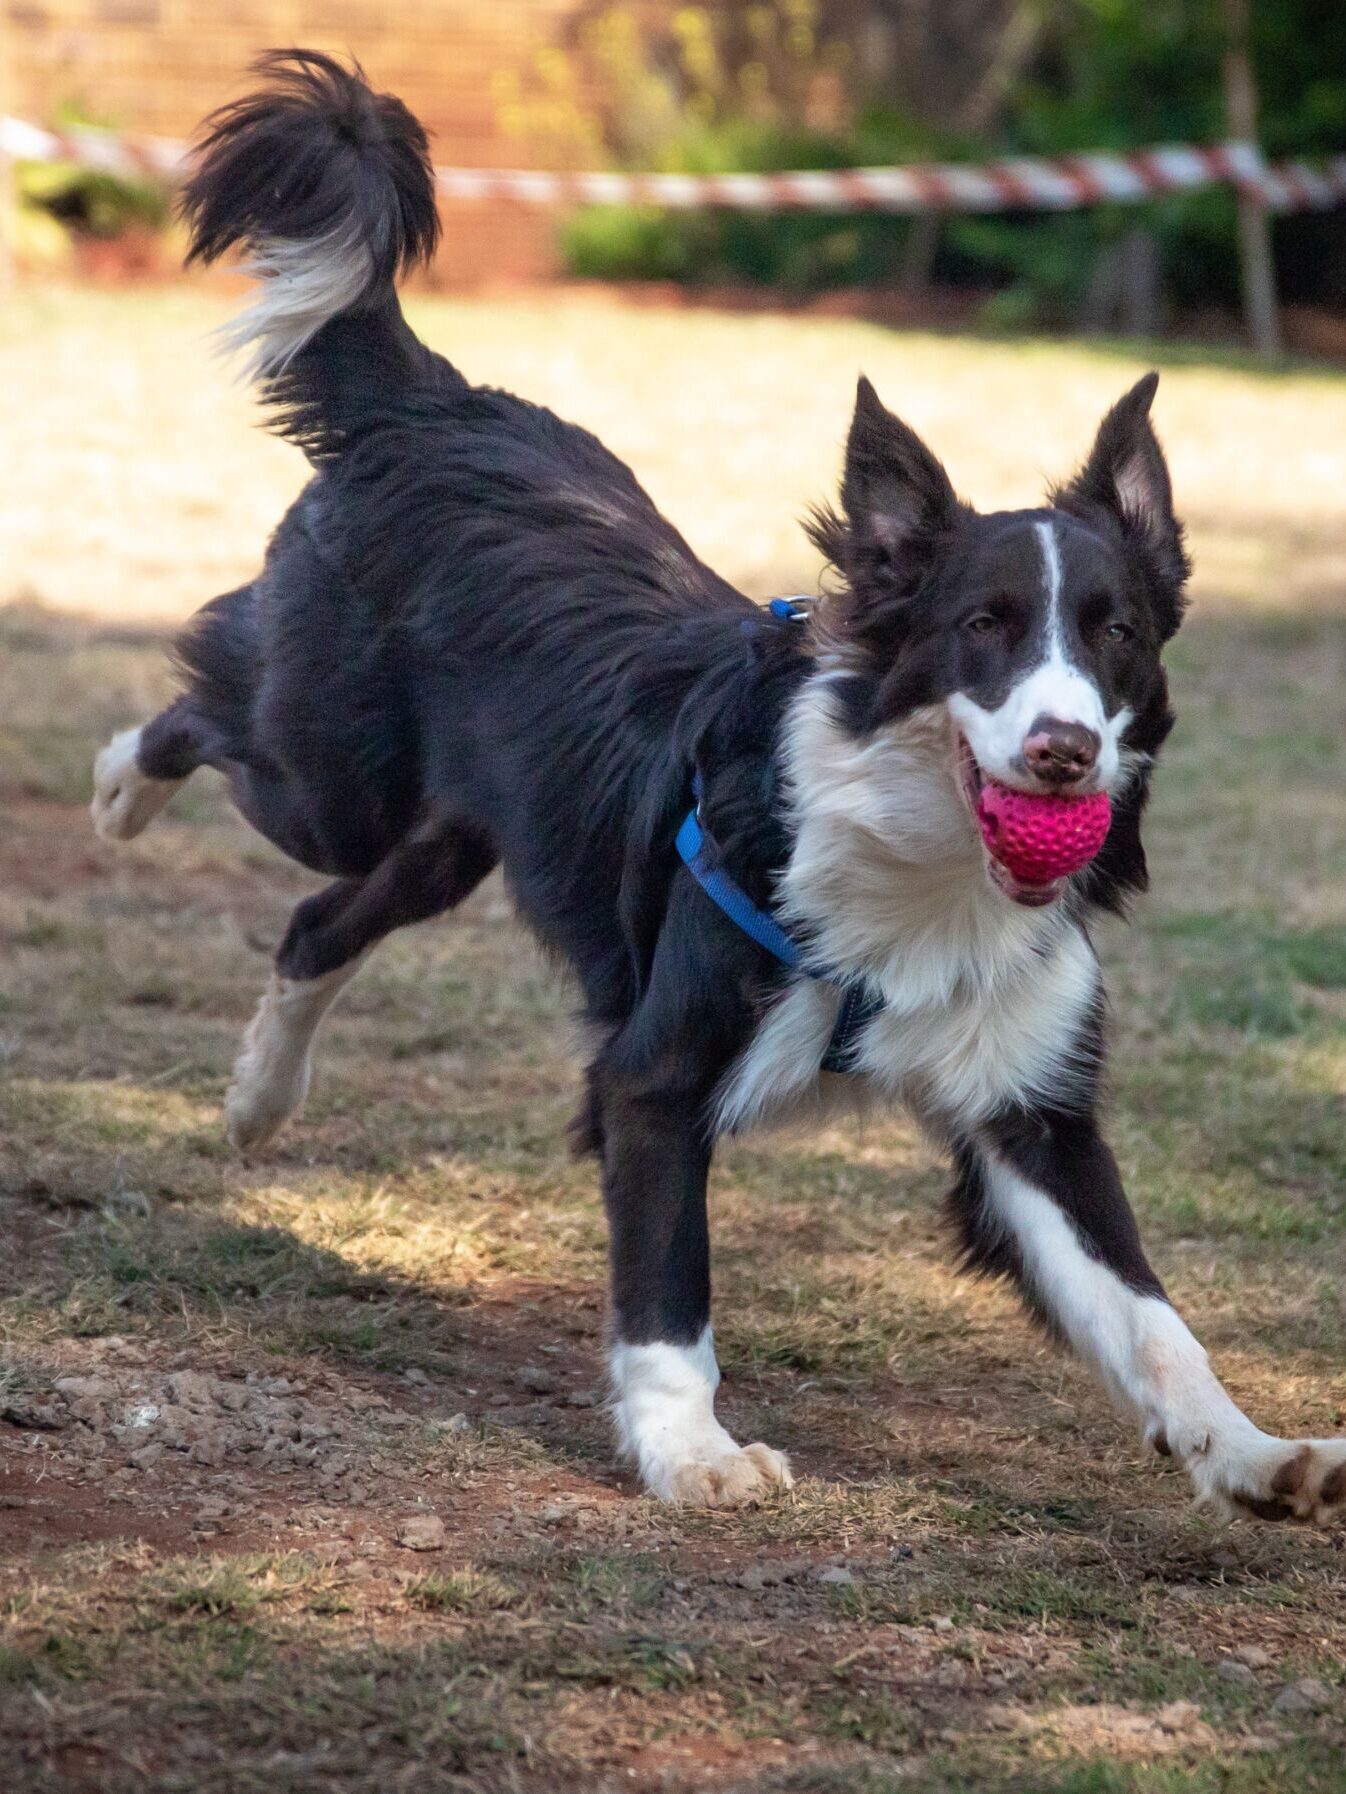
(1255, 253)
(974, 118)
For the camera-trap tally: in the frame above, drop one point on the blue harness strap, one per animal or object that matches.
(701, 856)
(702, 859)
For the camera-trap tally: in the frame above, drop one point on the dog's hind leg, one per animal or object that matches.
(138, 771)
(209, 725)
(330, 934)
(273, 1071)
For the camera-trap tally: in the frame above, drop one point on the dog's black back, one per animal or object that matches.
(473, 610)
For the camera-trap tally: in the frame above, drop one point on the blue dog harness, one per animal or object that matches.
(702, 857)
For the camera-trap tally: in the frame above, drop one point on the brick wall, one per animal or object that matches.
(159, 66)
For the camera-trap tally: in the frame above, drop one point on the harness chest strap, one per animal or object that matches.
(699, 853)
(703, 859)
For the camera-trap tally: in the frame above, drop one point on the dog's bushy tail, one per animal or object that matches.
(327, 187)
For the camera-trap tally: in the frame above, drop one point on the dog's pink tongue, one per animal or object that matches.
(1039, 839)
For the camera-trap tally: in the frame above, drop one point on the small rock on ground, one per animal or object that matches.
(421, 1532)
(770, 1572)
(536, 1379)
(1306, 1696)
(1179, 1716)
(1229, 1669)
(1254, 1655)
(456, 1423)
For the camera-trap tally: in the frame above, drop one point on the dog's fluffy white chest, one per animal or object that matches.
(982, 1001)
(955, 1060)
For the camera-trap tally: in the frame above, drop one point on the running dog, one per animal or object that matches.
(755, 835)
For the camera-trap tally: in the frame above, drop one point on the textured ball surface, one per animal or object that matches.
(1039, 839)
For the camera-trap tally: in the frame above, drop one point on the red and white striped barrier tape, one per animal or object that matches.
(1306, 186)
(1020, 183)
(108, 151)
(1029, 183)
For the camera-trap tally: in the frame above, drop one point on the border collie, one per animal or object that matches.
(474, 641)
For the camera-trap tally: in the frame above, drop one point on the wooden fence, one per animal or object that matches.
(158, 66)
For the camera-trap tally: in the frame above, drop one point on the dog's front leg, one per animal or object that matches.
(664, 1374)
(1039, 1198)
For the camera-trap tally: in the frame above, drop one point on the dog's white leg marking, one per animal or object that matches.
(664, 1407)
(273, 1071)
(125, 799)
(1156, 1371)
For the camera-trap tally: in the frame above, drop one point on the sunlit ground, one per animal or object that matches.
(134, 482)
(1027, 1601)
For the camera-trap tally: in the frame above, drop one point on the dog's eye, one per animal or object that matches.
(984, 623)
(1120, 632)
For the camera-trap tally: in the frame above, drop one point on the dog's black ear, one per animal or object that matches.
(1127, 477)
(894, 491)
(896, 500)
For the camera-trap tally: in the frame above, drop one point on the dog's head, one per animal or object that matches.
(1038, 634)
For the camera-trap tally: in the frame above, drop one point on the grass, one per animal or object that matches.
(1029, 1594)
(467, 1590)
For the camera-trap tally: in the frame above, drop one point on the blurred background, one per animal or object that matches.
(755, 313)
(758, 85)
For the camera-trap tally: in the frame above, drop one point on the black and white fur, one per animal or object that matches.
(474, 641)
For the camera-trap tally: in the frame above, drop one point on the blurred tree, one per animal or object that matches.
(1116, 74)
(762, 84)
(946, 62)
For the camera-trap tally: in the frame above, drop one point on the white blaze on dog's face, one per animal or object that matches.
(1044, 702)
(1037, 633)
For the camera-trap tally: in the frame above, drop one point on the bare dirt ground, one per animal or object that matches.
(305, 1481)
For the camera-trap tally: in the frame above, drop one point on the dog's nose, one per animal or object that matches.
(1061, 753)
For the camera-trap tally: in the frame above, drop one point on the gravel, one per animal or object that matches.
(322, 1429)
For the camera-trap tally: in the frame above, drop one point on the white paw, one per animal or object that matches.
(272, 1073)
(125, 799)
(664, 1409)
(721, 1476)
(255, 1110)
(1275, 1479)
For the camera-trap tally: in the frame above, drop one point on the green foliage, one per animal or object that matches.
(91, 201)
(761, 87)
(742, 89)
(798, 251)
(1113, 75)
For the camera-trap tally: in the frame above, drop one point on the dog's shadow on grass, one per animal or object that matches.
(519, 1354)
